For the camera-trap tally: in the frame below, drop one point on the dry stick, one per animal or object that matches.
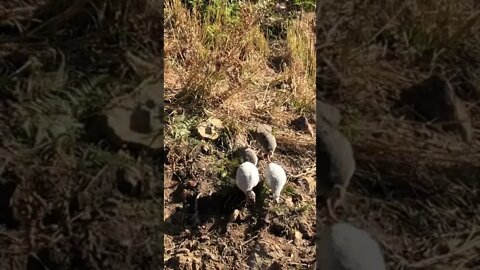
(10, 236)
(379, 32)
(387, 24)
(333, 68)
(400, 259)
(430, 261)
(39, 260)
(249, 240)
(62, 17)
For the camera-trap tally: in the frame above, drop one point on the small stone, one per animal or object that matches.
(205, 149)
(210, 129)
(234, 216)
(305, 230)
(289, 202)
(183, 261)
(275, 266)
(192, 184)
(298, 236)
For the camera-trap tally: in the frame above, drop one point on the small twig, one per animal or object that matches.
(60, 18)
(249, 240)
(430, 261)
(39, 260)
(295, 263)
(10, 236)
(384, 27)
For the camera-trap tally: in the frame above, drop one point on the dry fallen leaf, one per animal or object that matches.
(210, 129)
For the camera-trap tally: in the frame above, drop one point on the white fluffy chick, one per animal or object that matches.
(275, 179)
(247, 178)
(344, 247)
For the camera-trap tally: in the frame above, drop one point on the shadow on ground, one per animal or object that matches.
(214, 211)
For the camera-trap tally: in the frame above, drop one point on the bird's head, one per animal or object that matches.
(250, 197)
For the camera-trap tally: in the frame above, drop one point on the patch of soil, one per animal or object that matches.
(201, 222)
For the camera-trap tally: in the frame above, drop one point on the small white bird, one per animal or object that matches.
(275, 179)
(247, 178)
(344, 247)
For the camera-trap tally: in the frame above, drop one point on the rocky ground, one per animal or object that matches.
(258, 68)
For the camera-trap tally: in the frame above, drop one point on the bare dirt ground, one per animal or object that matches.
(63, 203)
(244, 64)
(416, 187)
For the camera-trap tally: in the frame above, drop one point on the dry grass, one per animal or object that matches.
(227, 71)
(246, 64)
(416, 187)
(61, 206)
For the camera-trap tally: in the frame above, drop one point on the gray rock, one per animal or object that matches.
(134, 120)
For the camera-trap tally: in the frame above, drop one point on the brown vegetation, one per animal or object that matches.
(416, 187)
(64, 201)
(245, 64)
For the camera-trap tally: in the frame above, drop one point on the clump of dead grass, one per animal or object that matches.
(62, 61)
(414, 181)
(220, 62)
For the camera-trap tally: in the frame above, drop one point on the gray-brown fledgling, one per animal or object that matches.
(266, 140)
(247, 154)
(301, 123)
(335, 165)
(244, 154)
